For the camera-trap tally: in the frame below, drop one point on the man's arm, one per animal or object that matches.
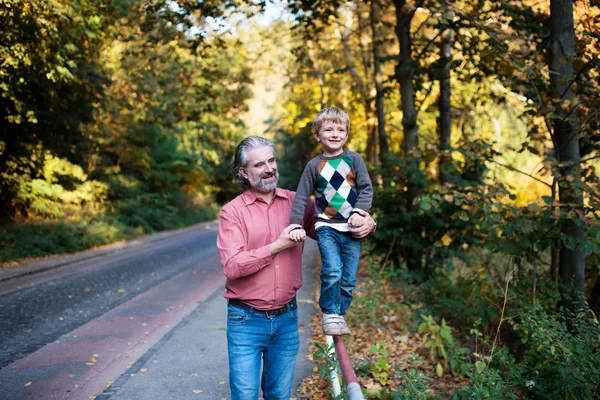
(238, 261)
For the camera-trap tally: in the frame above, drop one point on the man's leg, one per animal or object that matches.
(331, 270)
(247, 338)
(280, 357)
(350, 254)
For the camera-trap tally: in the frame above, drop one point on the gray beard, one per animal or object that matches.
(264, 187)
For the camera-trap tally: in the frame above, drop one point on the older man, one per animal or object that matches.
(263, 267)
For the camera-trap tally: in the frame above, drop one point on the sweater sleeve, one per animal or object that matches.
(302, 198)
(364, 189)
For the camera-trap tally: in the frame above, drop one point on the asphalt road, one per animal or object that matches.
(58, 300)
(144, 319)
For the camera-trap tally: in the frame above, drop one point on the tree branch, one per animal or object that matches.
(521, 172)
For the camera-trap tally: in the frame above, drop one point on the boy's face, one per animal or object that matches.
(332, 137)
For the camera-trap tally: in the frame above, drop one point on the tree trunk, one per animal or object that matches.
(379, 99)
(562, 43)
(362, 87)
(404, 74)
(317, 71)
(444, 104)
(594, 300)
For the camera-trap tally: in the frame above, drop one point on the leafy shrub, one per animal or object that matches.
(562, 358)
(61, 190)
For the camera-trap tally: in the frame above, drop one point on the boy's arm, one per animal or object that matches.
(302, 198)
(364, 189)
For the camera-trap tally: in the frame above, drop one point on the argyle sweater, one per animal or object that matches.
(340, 185)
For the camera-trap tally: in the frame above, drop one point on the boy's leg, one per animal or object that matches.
(328, 240)
(247, 338)
(280, 357)
(350, 254)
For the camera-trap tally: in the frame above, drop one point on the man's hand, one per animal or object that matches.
(283, 242)
(360, 232)
(356, 220)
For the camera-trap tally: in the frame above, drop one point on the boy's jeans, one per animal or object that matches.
(340, 253)
(252, 339)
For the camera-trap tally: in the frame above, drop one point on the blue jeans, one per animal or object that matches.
(340, 253)
(254, 339)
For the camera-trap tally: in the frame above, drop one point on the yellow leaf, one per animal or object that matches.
(439, 370)
(446, 240)
(499, 233)
(222, 383)
(197, 391)
(28, 384)
(144, 370)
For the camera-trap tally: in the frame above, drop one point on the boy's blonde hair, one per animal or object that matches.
(331, 114)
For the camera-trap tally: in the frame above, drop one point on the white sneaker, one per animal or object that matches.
(343, 326)
(331, 325)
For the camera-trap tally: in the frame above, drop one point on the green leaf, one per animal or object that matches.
(463, 216)
(548, 199)
(479, 366)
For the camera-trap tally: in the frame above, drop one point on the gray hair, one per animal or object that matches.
(241, 156)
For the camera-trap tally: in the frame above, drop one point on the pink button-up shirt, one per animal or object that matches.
(247, 226)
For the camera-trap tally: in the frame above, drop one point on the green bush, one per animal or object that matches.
(561, 357)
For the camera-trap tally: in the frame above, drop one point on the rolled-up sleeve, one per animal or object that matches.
(232, 241)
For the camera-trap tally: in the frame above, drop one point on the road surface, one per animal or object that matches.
(129, 320)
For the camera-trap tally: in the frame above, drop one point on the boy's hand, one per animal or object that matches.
(356, 220)
(298, 235)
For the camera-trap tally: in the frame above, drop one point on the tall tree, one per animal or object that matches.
(444, 105)
(50, 82)
(404, 75)
(560, 62)
(378, 77)
(363, 84)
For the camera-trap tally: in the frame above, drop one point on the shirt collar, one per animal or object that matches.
(250, 197)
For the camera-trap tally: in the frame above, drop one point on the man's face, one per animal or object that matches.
(261, 169)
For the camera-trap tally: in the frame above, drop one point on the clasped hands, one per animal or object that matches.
(360, 222)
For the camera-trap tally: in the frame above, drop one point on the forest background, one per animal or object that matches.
(478, 120)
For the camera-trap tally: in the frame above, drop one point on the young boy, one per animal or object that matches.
(340, 182)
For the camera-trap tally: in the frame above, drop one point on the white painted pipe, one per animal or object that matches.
(333, 375)
(354, 391)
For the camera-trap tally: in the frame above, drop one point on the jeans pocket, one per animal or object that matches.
(294, 314)
(237, 315)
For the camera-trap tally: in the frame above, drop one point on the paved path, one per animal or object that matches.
(167, 342)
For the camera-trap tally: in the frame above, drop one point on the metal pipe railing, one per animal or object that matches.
(352, 385)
